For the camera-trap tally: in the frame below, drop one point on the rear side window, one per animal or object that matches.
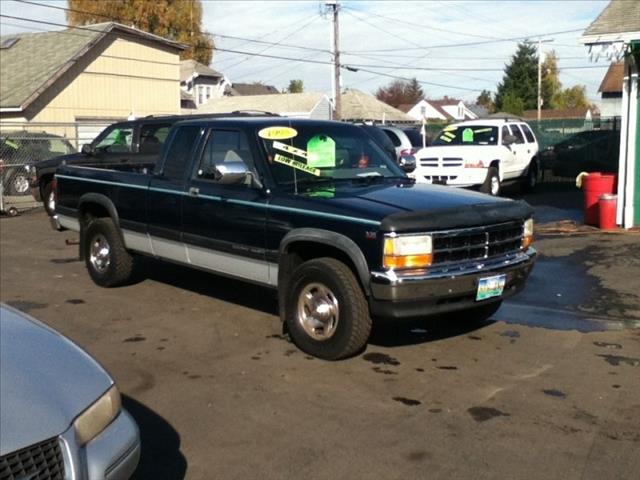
(179, 153)
(528, 133)
(117, 140)
(152, 137)
(515, 131)
(393, 137)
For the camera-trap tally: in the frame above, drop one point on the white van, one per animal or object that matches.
(480, 153)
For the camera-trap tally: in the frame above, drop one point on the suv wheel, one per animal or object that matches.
(531, 180)
(49, 199)
(108, 262)
(326, 312)
(18, 183)
(491, 184)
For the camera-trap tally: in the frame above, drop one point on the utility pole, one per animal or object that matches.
(334, 5)
(540, 42)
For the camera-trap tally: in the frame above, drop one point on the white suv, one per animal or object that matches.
(480, 153)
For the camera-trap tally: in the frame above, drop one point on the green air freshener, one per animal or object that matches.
(467, 135)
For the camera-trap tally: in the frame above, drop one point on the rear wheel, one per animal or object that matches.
(326, 312)
(18, 183)
(49, 199)
(108, 262)
(491, 183)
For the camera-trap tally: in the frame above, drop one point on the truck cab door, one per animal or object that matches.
(167, 189)
(508, 160)
(224, 217)
(522, 150)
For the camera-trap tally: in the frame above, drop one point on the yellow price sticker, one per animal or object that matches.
(296, 164)
(277, 133)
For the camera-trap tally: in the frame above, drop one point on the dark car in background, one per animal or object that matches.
(589, 151)
(20, 149)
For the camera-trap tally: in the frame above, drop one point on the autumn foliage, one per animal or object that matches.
(178, 20)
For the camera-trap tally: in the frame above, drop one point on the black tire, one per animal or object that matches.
(491, 184)
(18, 184)
(113, 267)
(532, 178)
(49, 203)
(347, 331)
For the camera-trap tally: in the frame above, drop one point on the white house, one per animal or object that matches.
(446, 109)
(199, 84)
(611, 91)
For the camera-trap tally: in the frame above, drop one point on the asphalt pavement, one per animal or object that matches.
(548, 388)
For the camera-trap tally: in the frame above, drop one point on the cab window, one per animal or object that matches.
(505, 133)
(225, 151)
(116, 140)
(528, 133)
(152, 137)
(515, 131)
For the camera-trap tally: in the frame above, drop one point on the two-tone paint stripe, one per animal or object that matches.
(246, 203)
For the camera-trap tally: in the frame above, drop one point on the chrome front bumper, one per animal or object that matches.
(434, 291)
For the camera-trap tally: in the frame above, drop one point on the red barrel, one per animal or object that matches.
(595, 185)
(607, 206)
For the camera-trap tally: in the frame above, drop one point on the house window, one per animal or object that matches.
(208, 92)
(200, 94)
(423, 110)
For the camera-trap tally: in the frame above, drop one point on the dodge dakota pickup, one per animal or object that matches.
(314, 209)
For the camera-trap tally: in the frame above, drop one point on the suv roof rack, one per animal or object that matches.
(235, 113)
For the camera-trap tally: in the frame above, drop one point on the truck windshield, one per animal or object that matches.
(467, 135)
(309, 154)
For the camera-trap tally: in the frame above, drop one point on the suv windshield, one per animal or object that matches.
(314, 154)
(467, 135)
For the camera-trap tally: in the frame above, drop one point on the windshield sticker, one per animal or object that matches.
(448, 135)
(277, 133)
(449, 128)
(467, 135)
(321, 151)
(445, 139)
(324, 193)
(296, 164)
(484, 130)
(283, 147)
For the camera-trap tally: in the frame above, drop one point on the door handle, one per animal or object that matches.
(194, 191)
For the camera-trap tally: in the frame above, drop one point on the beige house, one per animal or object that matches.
(93, 75)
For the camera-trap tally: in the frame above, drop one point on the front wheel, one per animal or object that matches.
(491, 183)
(18, 183)
(326, 311)
(107, 260)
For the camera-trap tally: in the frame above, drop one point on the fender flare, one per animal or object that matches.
(334, 240)
(103, 201)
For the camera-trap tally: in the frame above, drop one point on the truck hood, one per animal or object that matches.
(467, 152)
(46, 381)
(409, 206)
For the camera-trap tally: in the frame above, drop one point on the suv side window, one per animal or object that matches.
(224, 148)
(515, 131)
(117, 140)
(152, 137)
(528, 133)
(393, 137)
(179, 153)
(505, 133)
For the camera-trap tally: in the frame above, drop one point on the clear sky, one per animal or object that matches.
(393, 38)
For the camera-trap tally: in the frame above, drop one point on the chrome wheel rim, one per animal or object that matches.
(318, 311)
(51, 201)
(21, 184)
(100, 254)
(495, 185)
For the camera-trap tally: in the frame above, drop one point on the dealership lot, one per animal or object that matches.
(550, 386)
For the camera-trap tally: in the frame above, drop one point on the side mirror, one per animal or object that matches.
(408, 163)
(86, 149)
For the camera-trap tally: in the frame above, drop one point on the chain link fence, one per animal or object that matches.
(23, 145)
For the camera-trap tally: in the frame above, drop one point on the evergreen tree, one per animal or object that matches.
(295, 86)
(520, 80)
(485, 100)
(178, 20)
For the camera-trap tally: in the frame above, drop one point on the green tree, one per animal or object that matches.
(178, 20)
(485, 100)
(400, 92)
(295, 86)
(551, 85)
(572, 97)
(520, 80)
(512, 103)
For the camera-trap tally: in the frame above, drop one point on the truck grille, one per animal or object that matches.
(477, 243)
(42, 461)
(442, 162)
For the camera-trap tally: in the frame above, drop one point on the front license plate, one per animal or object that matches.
(439, 181)
(490, 287)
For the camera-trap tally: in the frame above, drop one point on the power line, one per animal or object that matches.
(274, 44)
(411, 79)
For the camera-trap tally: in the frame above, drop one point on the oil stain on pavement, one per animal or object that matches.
(26, 305)
(552, 392)
(617, 360)
(407, 401)
(482, 414)
(380, 359)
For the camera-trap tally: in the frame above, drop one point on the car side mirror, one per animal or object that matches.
(86, 149)
(408, 163)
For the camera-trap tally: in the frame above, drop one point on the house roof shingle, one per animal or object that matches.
(252, 89)
(620, 16)
(360, 106)
(612, 81)
(189, 67)
(36, 60)
(282, 103)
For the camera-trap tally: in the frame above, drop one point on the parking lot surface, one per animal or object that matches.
(549, 388)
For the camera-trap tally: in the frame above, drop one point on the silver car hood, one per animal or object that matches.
(45, 381)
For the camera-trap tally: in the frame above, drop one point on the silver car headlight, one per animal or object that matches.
(96, 418)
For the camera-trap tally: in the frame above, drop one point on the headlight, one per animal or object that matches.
(407, 251)
(527, 235)
(96, 418)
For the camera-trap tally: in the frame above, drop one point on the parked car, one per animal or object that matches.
(481, 153)
(314, 209)
(381, 138)
(590, 151)
(20, 149)
(60, 411)
(401, 141)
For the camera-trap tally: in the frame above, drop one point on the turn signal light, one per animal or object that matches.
(407, 261)
(527, 236)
